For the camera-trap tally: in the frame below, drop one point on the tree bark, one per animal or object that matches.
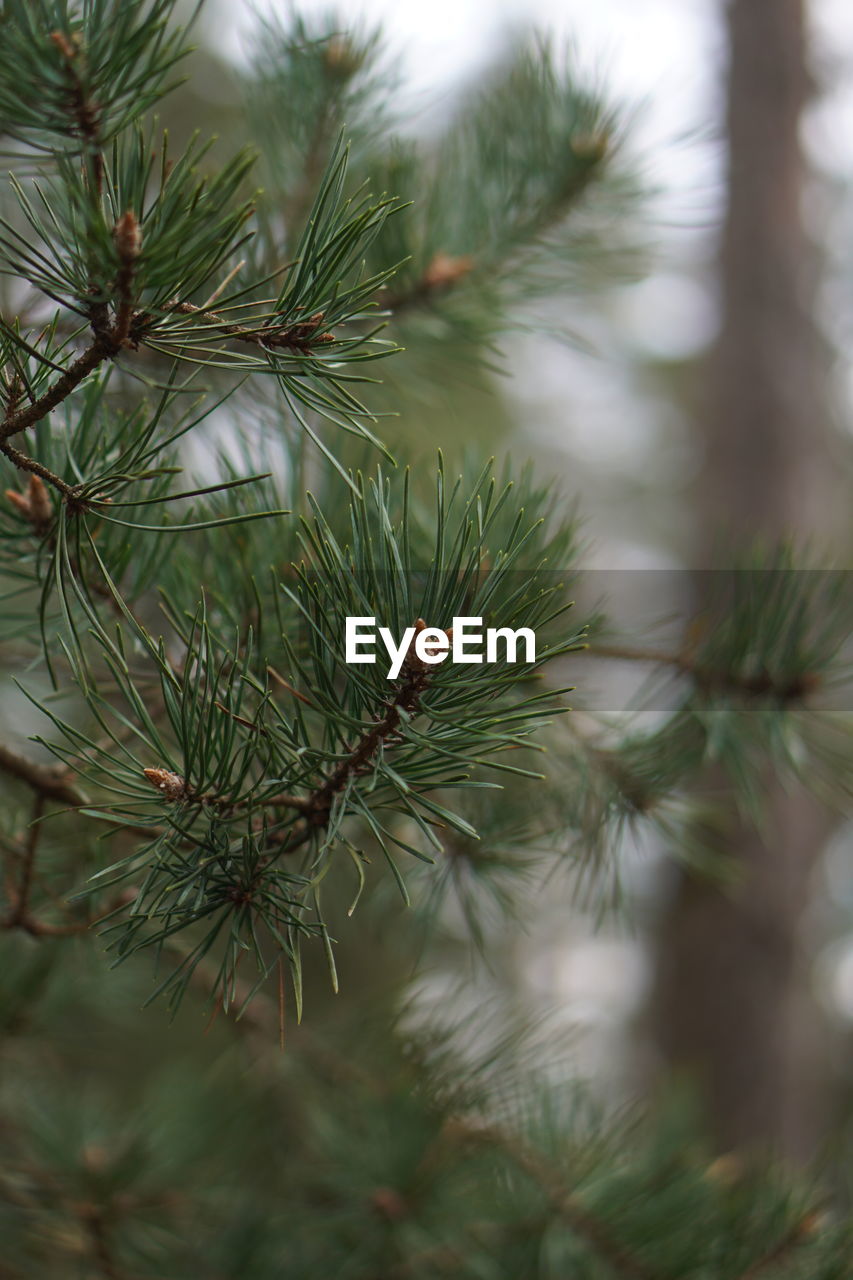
(731, 1002)
(764, 422)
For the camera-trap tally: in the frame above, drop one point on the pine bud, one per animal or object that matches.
(445, 270)
(171, 784)
(128, 237)
(590, 146)
(412, 662)
(727, 1170)
(41, 507)
(813, 1223)
(68, 48)
(389, 1204)
(342, 58)
(34, 505)
(19, 501)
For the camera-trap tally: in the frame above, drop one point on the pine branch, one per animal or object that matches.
(318, 805)
(298, 337)
(35, 469)
(442, 274)
(128, 242)
(711, 680)
(84, 111)
(49, 781)
(19, 914)
(103, 347)
(801, 1232)
(564, 1203)
(94, 1219)
(629, 653)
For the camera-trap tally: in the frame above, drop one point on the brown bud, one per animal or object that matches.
(128, 237)
(95, 1157)
(20, 502)
(171, 784)
(727, 1169)
(590, 146)
(389, 1204)
(445, 270)
(34, 505)
(812, 1224)
(342, 58)
(41, 507)
(412, 662)
(64, 45)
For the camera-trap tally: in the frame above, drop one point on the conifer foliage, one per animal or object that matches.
(199, 490)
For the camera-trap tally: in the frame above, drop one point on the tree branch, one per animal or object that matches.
(48, 781)
(300, 337)
(19, 913)
(711, 680)
(317, 805)
(102, 348)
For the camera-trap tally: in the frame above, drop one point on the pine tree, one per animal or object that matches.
(212, 792)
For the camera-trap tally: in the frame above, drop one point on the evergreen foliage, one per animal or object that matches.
(225, 792)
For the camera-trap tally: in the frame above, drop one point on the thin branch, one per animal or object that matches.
(280, 680)
(444, 272)
(94, 1220)
(301, 336)
(24, 463)
(49, 781)
(85, 111)
(128, 242)
(629, 653)
(102, 348)
(318, 805)
(21, 907)
(711, 680)
(441, 275)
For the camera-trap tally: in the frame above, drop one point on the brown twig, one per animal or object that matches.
(128, 242)
(300, 336)
(440, 275)
(85, 112)
(630, 653)
(101, 348)
(19, 913)
(280, 680)
(49, 781)
(94, 1219)
(318, 804)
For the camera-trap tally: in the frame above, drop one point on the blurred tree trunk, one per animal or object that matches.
(731, 1000)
